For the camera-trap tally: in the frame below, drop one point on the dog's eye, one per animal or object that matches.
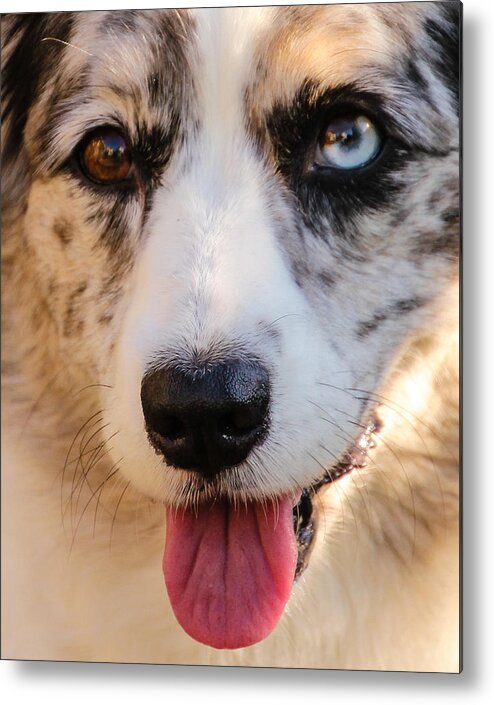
(348, 142)
(106, 157)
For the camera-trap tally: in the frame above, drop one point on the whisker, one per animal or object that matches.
(379, 398)
(64, 469)
(116, 510)
(351, 477)
(99, 454)
(81, 449)
(390, 404)
(405, 474)
(428, 453)
(286, 315)
(338, 490)
(362, 426)
(92, 386)
(67, 44)
(112, 472)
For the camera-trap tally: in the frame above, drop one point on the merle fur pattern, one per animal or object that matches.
(226, 241)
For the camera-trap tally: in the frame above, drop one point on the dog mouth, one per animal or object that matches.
(304, 514)
(229, 568)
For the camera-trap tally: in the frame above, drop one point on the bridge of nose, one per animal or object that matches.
(214, 388)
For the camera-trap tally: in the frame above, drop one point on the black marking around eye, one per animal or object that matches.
(154, 83)
(154, 147)
(112, 217)
(329, 198)
(152, 141)
(151, 153)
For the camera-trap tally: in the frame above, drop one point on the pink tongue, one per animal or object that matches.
(229, 571)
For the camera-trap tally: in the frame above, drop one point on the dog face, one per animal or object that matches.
(240, 232)
(237, 218)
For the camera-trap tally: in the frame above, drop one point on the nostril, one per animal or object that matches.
(226, 425)
(240, 422)
(169, 426)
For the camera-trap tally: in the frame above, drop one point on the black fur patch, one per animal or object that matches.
(442, 242)
(25, 69)
(111, 218)
(154, 147)
(326, 279)
(393, 311)
(414, 76)
(445, 37)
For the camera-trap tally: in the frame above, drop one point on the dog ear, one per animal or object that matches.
(25, 60)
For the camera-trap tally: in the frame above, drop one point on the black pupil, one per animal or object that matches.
(113, 147)
(345, 132)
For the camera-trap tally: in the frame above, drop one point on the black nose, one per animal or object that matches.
(208, 419)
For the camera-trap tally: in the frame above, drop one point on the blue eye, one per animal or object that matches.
(349, 142)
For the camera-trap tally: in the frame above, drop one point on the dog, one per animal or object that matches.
(230, 336)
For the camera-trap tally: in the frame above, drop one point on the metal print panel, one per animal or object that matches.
(230, 336)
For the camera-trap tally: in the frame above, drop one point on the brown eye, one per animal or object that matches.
(106, 157)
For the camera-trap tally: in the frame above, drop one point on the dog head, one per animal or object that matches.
(236, 218)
